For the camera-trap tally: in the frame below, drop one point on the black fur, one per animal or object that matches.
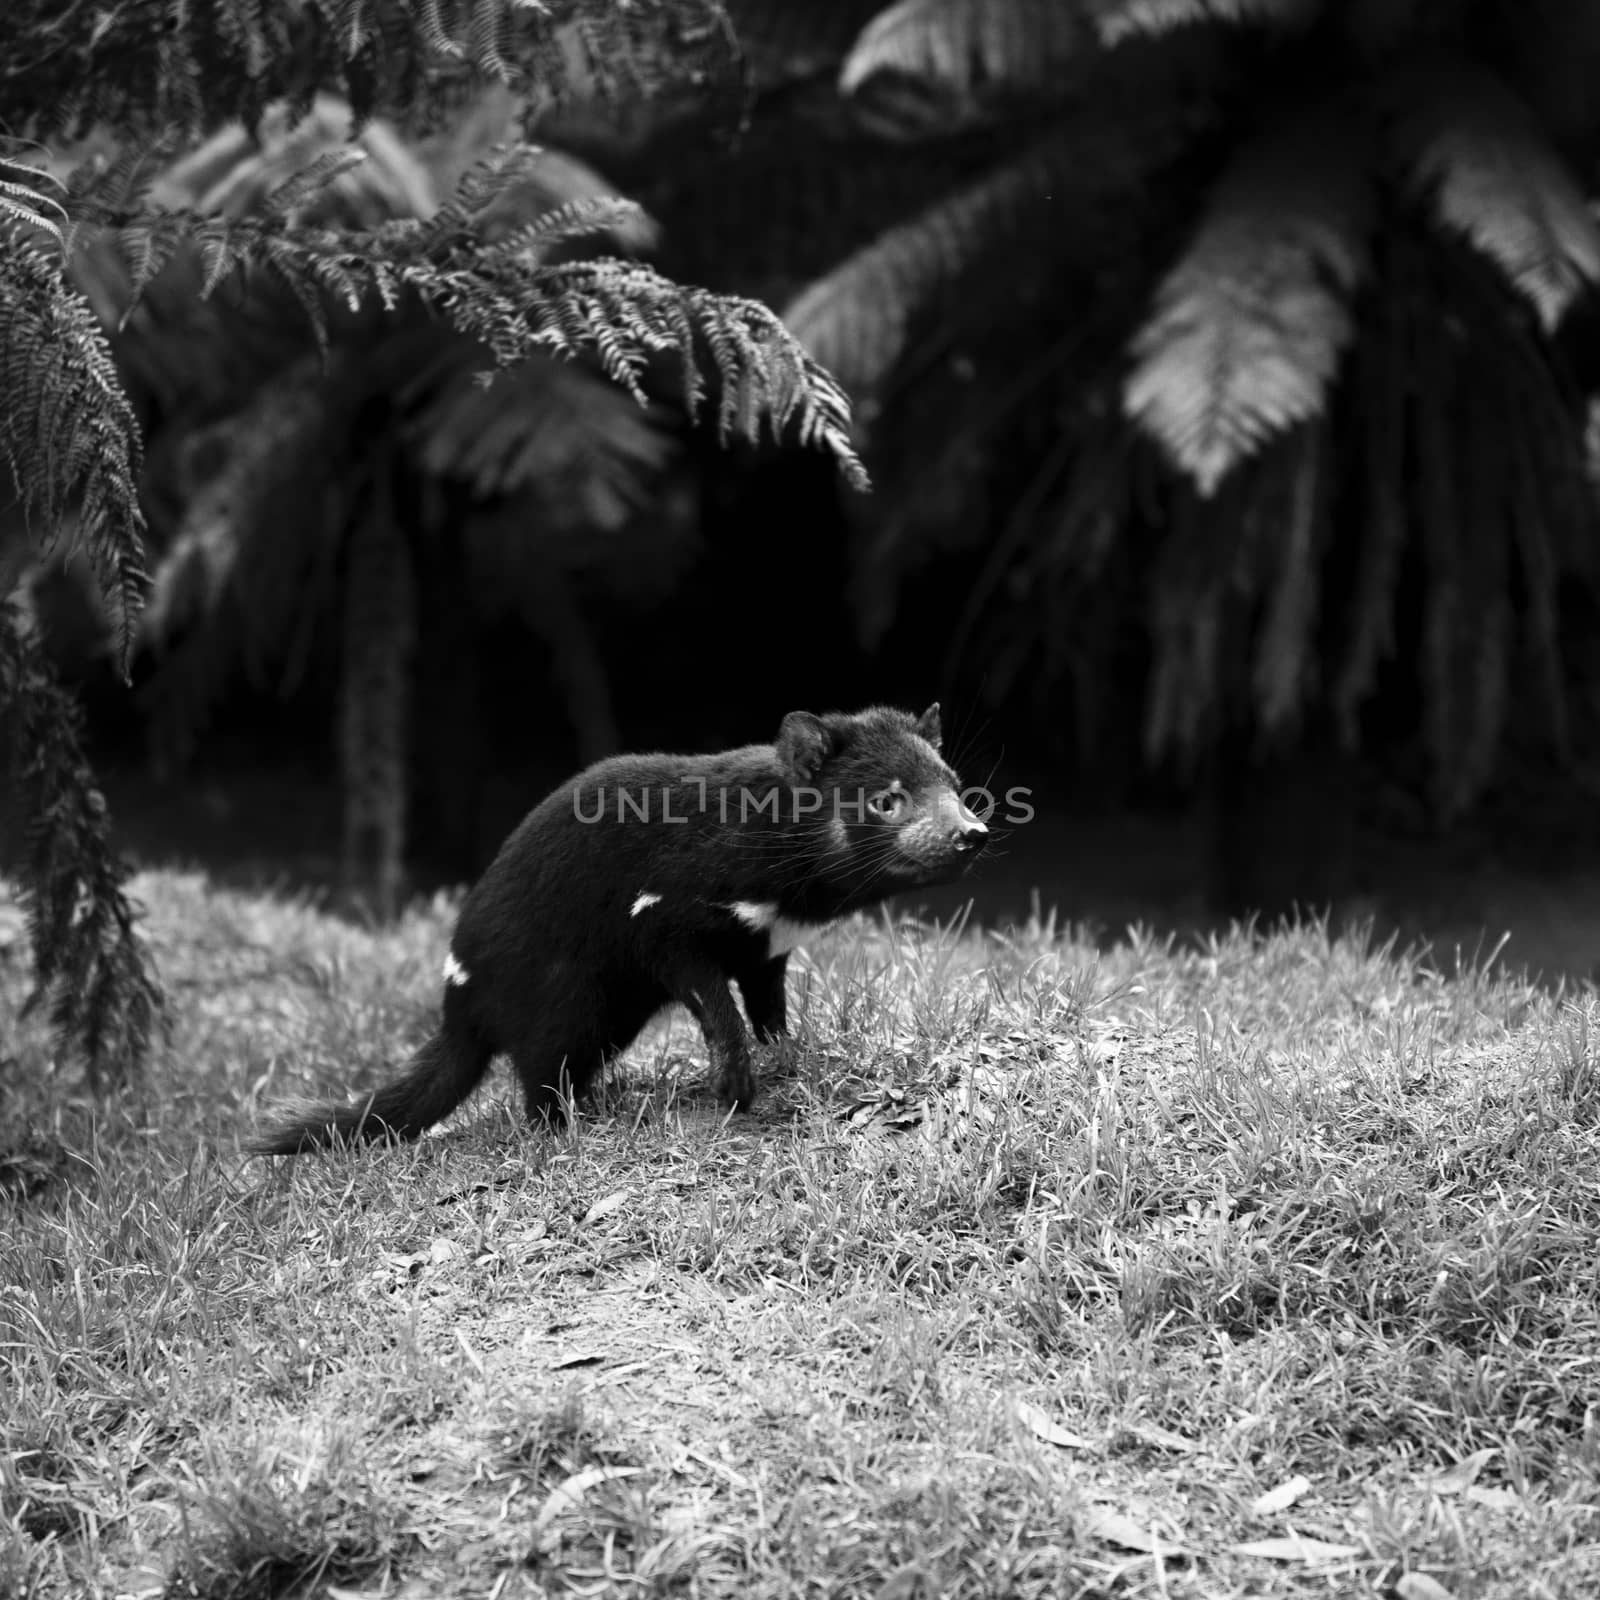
(593, 918)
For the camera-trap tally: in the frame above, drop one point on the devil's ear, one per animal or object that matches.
(928, 725)
(804, 743)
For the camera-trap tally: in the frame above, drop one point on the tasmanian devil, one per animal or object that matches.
(649, 879)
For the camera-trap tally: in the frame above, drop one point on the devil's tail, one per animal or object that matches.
(442, 1073)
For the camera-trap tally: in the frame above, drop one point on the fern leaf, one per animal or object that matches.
(485, 40)
(968, 44)
(1498, 181)
(857, 320)
(1118, 20)
(538, 240)
(290, 196)
(23, 202)
(435, 35)
(528, 185)
(1248, 327)
(89, 964)
(67, 431)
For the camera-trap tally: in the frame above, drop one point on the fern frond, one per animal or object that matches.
(545, 423)
(67, 431)
(144, 65)
(1119, 20)
(857, 320)
(1248, 327)
(539, 240)
(1498, 181)
(317, 171)
(89, 965)
(290, 196)
(22, 199)
(969, 44)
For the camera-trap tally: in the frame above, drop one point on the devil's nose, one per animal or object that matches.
(971, 834)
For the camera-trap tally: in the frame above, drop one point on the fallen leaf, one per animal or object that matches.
(1117, 1529)
(1043, 1426)
(579, 1358)
(569, 1492)
(1419, 1586)
(1163, 1438)
(1292, 1547)
(604, 1208)
(1463, 1474)
(1281, 1498)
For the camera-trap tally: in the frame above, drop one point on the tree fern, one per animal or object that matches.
(1339, 305)
(150, 74)
(1249, 326)
(1494, 176)
(1117, 20)
(858, 320)
(164, 64)
(967, 44)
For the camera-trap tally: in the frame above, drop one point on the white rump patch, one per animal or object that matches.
(454, 972)
(757, 915)
(644, 902)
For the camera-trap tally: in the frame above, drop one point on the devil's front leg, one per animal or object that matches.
(698, 983)
(765, 1001)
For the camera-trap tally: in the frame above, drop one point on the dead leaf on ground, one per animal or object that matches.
(604, 1207)
(1294, 1547)
(1281, 1498)
(569, 1493)
(1115, 1528)
(1419, 1586)
(1043, 1426)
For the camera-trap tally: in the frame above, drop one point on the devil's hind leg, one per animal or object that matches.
(580, 1033)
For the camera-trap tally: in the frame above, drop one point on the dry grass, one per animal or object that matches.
(1034, 1272)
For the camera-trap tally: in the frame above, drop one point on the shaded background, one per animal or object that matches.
(1226, 391)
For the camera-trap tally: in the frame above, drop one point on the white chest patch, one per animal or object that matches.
(454, 972)
(756, 915)
(761, 916)
(643, 903)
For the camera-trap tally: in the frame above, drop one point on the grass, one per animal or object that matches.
(1266, 1269)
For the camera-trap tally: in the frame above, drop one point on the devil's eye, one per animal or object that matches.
(890, 804)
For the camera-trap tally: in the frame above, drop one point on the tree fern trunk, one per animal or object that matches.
(580, 669)
(380, 628)
(1282, 825)
(448, 735)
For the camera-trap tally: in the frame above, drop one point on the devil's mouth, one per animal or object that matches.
(944, 869)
